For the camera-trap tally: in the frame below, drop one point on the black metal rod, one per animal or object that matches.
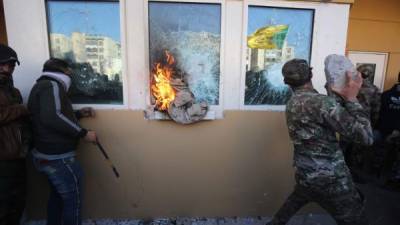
(107, 158)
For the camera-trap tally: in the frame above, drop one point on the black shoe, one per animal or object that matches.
(392, 186)
(358, 179)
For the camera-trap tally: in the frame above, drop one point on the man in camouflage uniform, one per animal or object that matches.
(370, 99)
(369, 95)
(321, 173)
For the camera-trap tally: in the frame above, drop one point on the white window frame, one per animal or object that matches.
(380, 59)
(140, 68)
(124, 79)
(318, 52)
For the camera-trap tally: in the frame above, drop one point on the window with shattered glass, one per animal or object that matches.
(275, 35)
(190, 33)
(87, 35)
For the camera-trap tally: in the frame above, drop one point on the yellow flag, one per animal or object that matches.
(269, 37)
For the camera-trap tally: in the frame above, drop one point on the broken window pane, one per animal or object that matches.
(87, 34)
(274, 36)
(191, 34)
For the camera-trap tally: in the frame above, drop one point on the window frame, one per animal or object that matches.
(271, 4)
(124, 79)
(142, 89)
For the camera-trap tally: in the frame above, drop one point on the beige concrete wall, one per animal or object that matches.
(375, 26)
(238, 166)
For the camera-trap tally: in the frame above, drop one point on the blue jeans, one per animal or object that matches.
(65, 179)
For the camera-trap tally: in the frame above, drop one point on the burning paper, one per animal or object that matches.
(161, 87)
(173, 96)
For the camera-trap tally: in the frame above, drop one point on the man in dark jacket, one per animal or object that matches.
(389, 127)
(389, 120)
(56, 135)
(13, 116)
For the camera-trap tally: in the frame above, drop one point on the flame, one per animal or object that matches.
(161, 87)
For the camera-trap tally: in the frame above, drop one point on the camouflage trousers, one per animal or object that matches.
(346, 207)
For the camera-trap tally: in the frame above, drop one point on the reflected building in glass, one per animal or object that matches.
(87, 35)
(103, 53)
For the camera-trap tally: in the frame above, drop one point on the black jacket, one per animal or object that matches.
(55, 125)
(389, 115)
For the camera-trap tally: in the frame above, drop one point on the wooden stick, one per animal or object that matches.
(107, 158)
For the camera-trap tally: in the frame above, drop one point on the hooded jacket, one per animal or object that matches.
(13, 115)
(55, 125)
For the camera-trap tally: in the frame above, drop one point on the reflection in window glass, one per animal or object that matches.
(191, 32)
(87, 34)
(274, 36)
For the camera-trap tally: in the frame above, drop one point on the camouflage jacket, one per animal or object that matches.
(370, 99)
(313, 120)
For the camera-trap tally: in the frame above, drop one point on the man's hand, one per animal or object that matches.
(91, 136)
(87, 112)
(350, 91)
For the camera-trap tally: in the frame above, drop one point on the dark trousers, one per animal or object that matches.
(65, 179)
(12, 191)
(346, 207)
(390, 157)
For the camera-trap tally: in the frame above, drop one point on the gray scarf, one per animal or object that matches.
(63, 78)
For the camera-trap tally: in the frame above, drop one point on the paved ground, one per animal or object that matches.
(383, 205)
(300, 220)
(383, 208)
